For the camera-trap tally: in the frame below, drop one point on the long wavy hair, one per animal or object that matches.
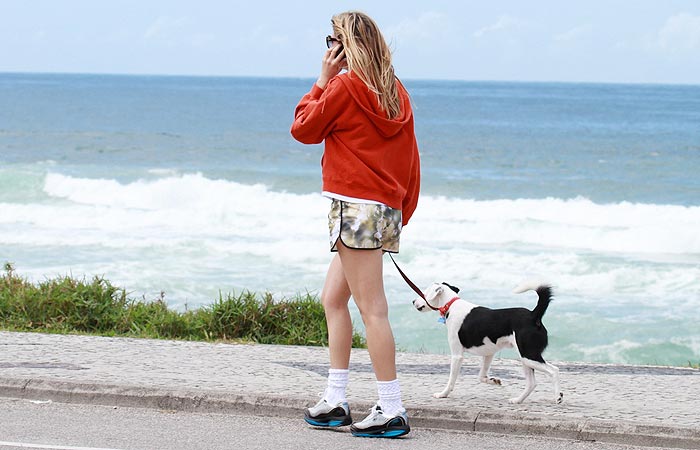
(369, 57)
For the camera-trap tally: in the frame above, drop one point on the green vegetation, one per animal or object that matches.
(68, 305)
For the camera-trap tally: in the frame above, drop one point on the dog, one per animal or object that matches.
(483, 331)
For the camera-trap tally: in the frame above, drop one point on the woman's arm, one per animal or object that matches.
(316, 112)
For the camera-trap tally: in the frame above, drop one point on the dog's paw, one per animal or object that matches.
(560, 398)
(491, 380)
(441, 394)
(515, 400)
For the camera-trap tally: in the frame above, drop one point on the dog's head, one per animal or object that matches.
(437, 295)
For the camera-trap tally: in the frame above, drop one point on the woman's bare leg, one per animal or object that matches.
(334, 298)
(363, 270)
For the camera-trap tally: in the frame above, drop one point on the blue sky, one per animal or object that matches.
(644, 41)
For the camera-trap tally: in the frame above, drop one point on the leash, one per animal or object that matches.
(410, 283)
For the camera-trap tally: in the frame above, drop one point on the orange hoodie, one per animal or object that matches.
(366, 155)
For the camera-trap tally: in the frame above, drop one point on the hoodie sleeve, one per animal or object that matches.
(317, 111)
(410, 201)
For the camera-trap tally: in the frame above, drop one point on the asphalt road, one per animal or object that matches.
(34, 425)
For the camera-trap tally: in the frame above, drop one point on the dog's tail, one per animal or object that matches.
(544, 292)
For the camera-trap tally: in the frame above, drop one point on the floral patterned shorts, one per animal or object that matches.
(364, 226)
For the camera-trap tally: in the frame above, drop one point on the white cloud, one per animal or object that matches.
(40, 35)
(573, 33)
(202, 39)
(428, 26)
(503, 23)
(164, 27)
(263, 36)
(621, 45)
(178, 31)
(680, 33)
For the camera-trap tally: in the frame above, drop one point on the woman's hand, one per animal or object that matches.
(332, 63)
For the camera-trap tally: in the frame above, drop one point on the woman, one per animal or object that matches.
(371, 171)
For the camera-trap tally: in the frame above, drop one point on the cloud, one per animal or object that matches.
(178, 31)
(503, 23)
(263, 36)
(164, 27)
(202, 39)
(680, 33)
(40, 35)
(573, 33)
(428, 26)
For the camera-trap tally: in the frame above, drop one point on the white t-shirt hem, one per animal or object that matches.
(345, 198)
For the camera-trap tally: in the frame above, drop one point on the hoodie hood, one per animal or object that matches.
(368, 102)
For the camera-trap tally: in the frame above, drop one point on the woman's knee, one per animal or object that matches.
(373, 313)
(334, 302)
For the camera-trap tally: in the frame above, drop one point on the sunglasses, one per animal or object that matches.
(330, 40)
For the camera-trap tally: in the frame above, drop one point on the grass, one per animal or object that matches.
(70, 305)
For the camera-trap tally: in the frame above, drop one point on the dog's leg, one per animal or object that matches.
(484, 373)
(530, 386)
(558, 395)
(549, 369)
(457, 352)
(552, 371)
(455, 364)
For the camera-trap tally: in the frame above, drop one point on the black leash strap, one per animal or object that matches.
(407, 280)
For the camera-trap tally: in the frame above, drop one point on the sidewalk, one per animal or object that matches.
(655, 406)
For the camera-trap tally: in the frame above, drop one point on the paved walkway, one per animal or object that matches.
(655, 406)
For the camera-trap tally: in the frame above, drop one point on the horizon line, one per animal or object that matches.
(291, 77)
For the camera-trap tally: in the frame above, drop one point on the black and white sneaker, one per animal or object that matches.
(324, 414)
(378, 424)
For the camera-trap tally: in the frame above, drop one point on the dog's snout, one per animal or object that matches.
(418, 304)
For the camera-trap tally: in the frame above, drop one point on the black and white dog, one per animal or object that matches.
(483, 331)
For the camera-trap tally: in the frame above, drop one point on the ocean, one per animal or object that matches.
(193, 186)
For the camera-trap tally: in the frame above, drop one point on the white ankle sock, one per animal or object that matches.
(389, 396)
(337, 382)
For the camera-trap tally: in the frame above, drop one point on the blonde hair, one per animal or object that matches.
(369, 57)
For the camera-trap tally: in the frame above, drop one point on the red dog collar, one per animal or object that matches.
(444, 309)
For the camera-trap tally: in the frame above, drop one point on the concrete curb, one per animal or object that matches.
(618, 432)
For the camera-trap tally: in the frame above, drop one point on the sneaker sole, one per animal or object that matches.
(388, 433)
(329, 423)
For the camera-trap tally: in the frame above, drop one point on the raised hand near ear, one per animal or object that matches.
(332, 63)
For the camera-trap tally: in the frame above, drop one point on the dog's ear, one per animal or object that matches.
(456, 289)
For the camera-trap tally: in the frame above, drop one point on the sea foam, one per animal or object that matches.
(218, 205)
(586, 248)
